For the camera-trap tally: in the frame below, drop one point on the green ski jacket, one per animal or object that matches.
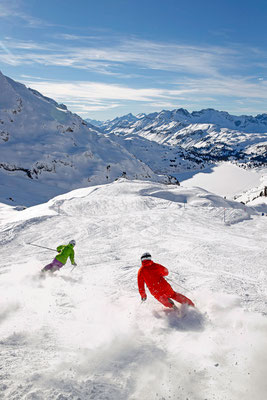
(64, 253)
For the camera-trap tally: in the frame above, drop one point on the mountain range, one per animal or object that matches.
(209, 134)
(47, 150)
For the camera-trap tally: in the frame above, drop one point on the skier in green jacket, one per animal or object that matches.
(65, 252)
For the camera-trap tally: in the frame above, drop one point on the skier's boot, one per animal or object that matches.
(173, 305)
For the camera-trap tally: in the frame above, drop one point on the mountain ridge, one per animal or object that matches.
(42, 140)
(206, 115)
(210, 134)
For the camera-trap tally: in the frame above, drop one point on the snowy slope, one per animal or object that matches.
(47, 150)
(257, 195)
(85, 334)
(213, 135)
(162, 159)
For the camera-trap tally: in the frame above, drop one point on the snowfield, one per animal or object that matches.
(225, 179)
(84, 334)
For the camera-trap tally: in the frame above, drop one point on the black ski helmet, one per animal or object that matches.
(146, 256)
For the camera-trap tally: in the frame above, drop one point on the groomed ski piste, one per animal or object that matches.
(84, 334)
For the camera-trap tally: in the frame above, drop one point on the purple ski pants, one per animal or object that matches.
(55, 265)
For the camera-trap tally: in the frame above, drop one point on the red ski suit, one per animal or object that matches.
(152, 275)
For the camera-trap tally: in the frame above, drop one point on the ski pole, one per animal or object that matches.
(182, 287)
(42, 247)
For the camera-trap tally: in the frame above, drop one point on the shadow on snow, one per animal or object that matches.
(183, 319)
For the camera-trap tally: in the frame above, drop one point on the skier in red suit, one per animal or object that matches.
(152, 275)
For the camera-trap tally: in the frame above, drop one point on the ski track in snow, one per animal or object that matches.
(86, 335)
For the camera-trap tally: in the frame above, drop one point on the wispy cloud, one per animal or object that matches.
(138, 53)
(92, 91)
(84, 97)
(141, 57)
(242, 87)
(174, 57)
(203, 73)
(73, 37)
(12, 10)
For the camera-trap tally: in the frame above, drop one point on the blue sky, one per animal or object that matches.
(107, 58)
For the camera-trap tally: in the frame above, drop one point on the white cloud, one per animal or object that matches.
(91, 91)
(84, 97)
(243, 87)
(6, 56)
(203, 73)
(84, 110)
(138, 53)
(140, 57)
(12, 10)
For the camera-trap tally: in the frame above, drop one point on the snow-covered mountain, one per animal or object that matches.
(47, 150)
(84, 334)
(161, 158)
(209, 134)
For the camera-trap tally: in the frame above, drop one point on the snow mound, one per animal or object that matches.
(140, 196)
